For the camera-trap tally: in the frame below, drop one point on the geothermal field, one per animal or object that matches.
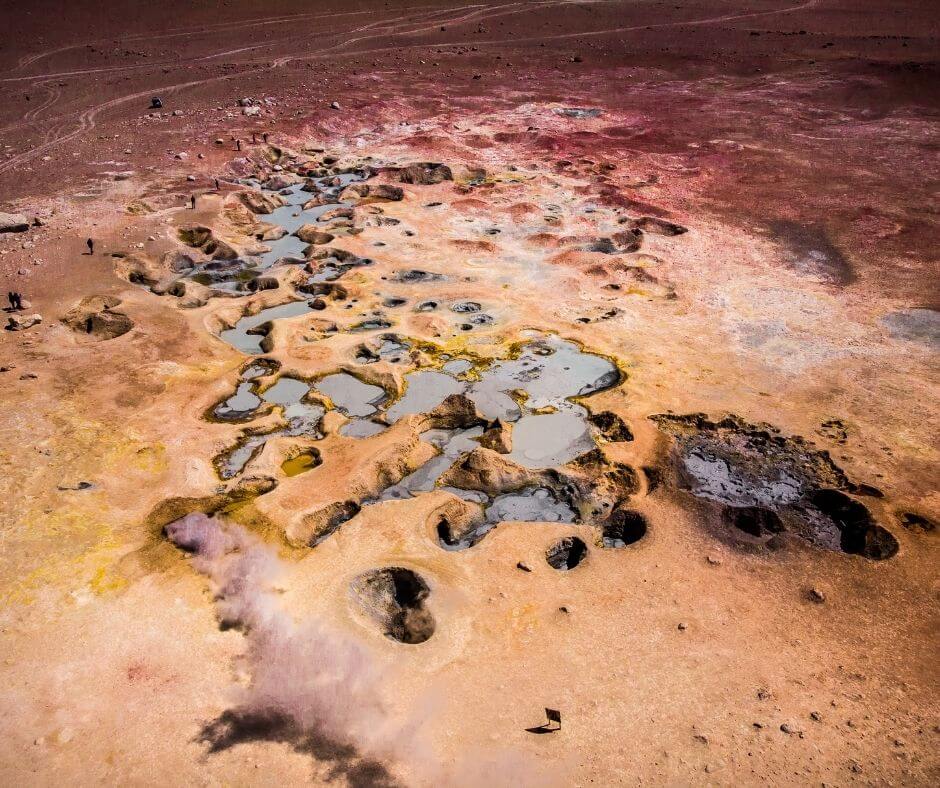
(533, 393)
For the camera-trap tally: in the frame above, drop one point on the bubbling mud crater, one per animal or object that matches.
(765, 486)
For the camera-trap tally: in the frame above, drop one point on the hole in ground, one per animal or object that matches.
(754, 520)
(303, 461)
(624, 527)
(860, 534)
(394, 598)
(566, 553)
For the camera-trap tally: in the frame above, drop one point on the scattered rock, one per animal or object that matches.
(816, 595)
(251, 111)
(791, 730)
(523, 566)
(682, 626)
(75, 486)
(335, 105)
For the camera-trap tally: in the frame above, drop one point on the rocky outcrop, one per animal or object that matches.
(270, 232)
(281, 180)
(258, 202)
(319, 524)
(95, 316)
(485, 470)
(457, 412)
(425, 173)
(204, 239)
(371, 192)
(611, 426)
(178, 262)
(337, 213)
(628, 240)
(498, 437)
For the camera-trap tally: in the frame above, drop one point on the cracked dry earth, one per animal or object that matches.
(397, 438)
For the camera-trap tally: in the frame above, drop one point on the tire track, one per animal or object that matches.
(87, 118)
(184, 33)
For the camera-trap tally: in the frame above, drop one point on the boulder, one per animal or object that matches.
(485, 470)
(21, 322)
(364, 192)
(337, 213)
(425, 173)
(270, 232)
(13, 223)
(311, 234)
(257, 202)
(94, 315)
(280, 181)
(384, 191)
(498, 438)
(457, 412)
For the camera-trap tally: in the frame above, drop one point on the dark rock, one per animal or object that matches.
(425, 173)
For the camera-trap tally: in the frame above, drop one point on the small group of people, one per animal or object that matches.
(254, 139)
(16, 301)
